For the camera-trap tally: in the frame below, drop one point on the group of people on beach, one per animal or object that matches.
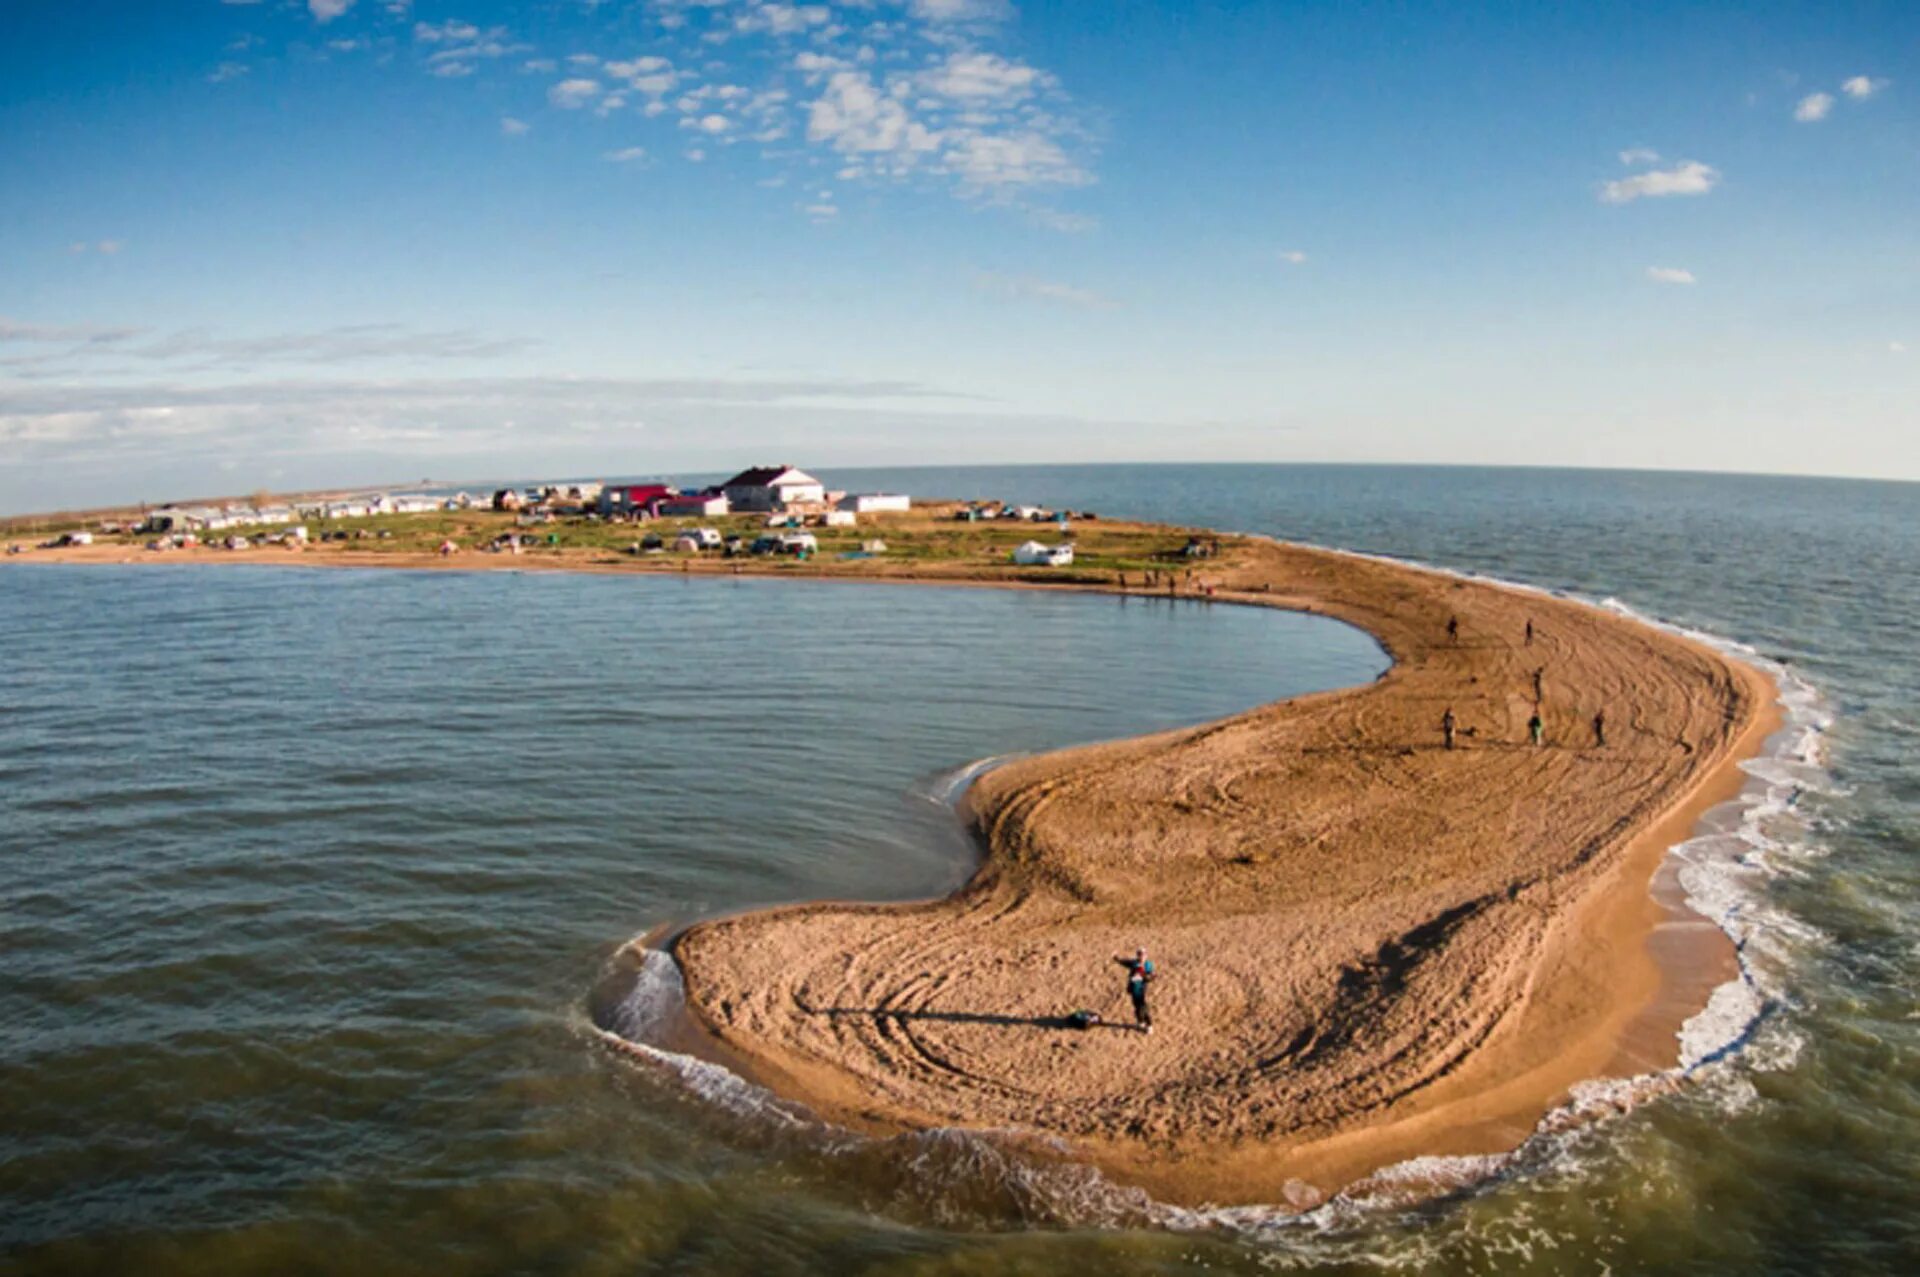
(1536, 724)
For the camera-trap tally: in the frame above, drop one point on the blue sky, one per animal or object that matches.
(302, 242)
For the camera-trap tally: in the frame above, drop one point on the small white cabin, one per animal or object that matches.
(876, 503)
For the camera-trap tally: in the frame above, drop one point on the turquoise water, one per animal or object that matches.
(312, 876)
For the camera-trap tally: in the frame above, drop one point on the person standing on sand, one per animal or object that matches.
(1529, 631)
(1453, 629)
(1535, 727)
(1600, 729)
(1539, 694)
(1139, 972)
(1446, 727)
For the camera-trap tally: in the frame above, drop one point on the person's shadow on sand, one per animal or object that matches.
(965, 1017)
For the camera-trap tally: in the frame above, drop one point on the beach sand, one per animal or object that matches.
(1369, 948)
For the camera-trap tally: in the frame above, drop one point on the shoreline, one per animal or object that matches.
(1572, 1021)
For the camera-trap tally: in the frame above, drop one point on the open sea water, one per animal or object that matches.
(314, 881)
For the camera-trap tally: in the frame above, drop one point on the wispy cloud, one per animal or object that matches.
(12, 330)
(1670, 275)
(107, 247)
(1862, 86)
(1292, 256)
(511, 127)
(325, 11)
(1813, 107)
(626, 155)
(1027, 288)
(1636, 155)
(85, 344)
(1689, 177)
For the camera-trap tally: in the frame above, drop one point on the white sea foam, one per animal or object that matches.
(1723, 871)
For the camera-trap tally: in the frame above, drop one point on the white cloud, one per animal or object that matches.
(959, 10)
(993, 163)
(1862, 86)
(984, 76)
(107, 246)
(627, 155)
(510, 127)
(328, 10)
(1027, 288)
(226, 71)
(1813, 107)
(1634, 155)
(1897, 347)
(707, 123)
(1292, 256)
(452, 31)
(783, 19)
(571, 95)
(1689, 177)
(1670, 275)
(809, 63)
(854, 116)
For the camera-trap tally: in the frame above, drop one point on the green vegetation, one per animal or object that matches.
(929, 539)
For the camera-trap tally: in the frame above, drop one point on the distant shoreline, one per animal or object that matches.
(1371, 948)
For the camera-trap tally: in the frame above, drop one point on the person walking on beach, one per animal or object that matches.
(1539, 693)
(1453, 629)
(1529, 631)
(1446, 727)
(1600, 729)
(1535, 727)
(1139, 972)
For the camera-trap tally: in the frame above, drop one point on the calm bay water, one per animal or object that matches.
(310, 875)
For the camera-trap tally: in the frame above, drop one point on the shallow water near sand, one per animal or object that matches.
(313, 876)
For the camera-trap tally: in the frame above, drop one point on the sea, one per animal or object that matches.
(332, 898)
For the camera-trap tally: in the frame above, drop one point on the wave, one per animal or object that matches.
(997, 1178)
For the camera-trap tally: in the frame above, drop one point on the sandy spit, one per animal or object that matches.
(1370, 948)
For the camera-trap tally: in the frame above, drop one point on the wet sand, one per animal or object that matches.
(1369, 948)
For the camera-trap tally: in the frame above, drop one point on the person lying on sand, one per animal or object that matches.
(1139, 971)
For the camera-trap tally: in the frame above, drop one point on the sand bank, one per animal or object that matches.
(1371, 948)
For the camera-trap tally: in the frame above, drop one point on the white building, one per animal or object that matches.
(876, 502)
(768, 488)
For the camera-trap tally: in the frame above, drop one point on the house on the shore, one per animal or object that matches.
(413, 503)
(876, 503)
(693, 505)
(765, 489)
(633, 500)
